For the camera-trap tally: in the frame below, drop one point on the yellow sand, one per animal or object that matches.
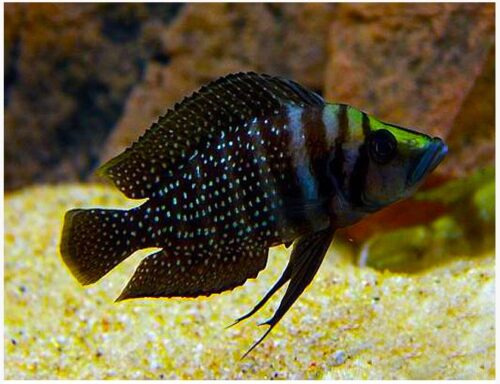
(350, 323)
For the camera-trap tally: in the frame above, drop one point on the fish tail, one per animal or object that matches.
(94, 241)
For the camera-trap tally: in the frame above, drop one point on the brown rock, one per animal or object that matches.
(472, 137)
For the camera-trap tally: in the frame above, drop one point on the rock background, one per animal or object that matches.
(84, 80)
(69, 69)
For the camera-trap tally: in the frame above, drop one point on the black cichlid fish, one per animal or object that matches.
(246, 163)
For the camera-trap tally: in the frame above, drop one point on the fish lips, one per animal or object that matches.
(433, 155)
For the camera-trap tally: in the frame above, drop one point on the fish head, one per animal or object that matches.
(397, 160)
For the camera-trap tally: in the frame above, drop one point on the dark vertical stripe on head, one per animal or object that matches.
(314, 131)
(318, 148)
(343, 123)
(366, 125)
(360, 169)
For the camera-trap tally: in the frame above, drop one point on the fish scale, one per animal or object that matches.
(246, 163)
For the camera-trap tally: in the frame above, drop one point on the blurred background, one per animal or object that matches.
(82, 81)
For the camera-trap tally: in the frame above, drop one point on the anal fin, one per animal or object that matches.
(172, 273)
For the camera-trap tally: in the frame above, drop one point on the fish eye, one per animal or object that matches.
(382, 146)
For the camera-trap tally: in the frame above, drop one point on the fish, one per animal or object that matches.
(248, 162)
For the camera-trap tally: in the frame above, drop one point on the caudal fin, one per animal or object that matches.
(94, 241)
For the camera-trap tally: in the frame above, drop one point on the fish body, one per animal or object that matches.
(248, 162)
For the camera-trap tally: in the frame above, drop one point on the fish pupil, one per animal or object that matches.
(382, 146)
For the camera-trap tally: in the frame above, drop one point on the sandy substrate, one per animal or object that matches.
(350, 323)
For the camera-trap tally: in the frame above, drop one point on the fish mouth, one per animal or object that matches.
(434, 154)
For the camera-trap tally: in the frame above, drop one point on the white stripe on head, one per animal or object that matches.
(331, 123)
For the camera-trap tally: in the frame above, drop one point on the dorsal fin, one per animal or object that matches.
(221, 105)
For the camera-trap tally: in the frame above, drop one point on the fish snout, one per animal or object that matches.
(434, 153)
